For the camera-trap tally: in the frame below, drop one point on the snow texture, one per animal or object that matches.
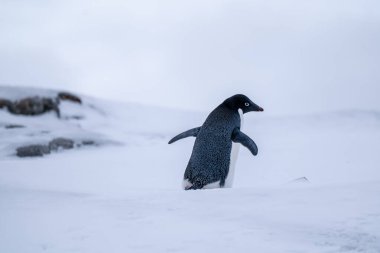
(125, 195)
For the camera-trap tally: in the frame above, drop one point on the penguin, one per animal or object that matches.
(215, 150)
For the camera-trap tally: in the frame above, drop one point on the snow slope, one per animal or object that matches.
(125, 195)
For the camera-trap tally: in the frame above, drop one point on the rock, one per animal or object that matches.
(34, 106)
(11, 126)
(53, 145)
(38, 105)
(74, 117)
(32, 151)
(88, 142)
(70, 97)
(5, 103)
(64, 143)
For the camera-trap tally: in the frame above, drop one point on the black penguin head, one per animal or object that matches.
(242, 102)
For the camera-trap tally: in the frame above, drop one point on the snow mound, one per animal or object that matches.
(127, 197)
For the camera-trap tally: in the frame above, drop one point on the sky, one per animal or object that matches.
(288, 56)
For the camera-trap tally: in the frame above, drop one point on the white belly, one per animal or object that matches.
(234, 156)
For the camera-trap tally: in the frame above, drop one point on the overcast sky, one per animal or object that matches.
(289, 56)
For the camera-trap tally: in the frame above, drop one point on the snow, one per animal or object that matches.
(125, 195)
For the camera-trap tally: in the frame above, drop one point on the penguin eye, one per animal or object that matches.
(246, 104)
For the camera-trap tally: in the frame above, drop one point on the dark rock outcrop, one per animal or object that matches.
(70, 97)
(53, 145)
(34, 106)
(63, 143)
(38, 105)
(11, 126)
(74, 117)
(88, 143)
(5, 103)
(32, 150)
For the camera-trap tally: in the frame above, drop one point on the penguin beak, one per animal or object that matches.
(254, 107)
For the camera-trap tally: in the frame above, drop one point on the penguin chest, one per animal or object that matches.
(233, 160)
(234, 155)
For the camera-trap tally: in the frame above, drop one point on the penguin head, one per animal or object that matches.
(242, 102)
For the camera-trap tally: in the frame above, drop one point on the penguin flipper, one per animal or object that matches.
(240, 137)
(189, 133)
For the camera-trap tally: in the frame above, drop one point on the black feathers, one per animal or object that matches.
(242, 138)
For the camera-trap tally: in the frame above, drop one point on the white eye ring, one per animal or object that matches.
(246, 104)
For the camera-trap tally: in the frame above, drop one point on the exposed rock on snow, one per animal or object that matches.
(11, 126)
(70, 97)
(74, 117)
(33, 150)
(88, 143)
(37, 105)
(63, 143)
(54, 145)
(31, 105)
(4, 103)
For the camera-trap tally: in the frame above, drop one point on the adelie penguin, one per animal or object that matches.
(215, 150)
